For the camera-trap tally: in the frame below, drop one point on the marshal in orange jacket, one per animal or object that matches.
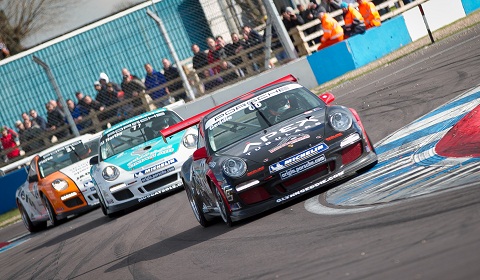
(369, 13)
(332, 31)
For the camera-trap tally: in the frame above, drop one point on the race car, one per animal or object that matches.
(58, 184)
(268, 147)
(135, 163)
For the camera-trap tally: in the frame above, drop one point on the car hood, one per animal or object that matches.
(147, 153)
(79, 173)
(281, 140)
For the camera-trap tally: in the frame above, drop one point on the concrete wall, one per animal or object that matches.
(438, 13)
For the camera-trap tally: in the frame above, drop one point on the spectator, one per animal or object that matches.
(108, 95)
(98, 88)
(171, 74)
(234, 48)
(132, 87)
(252, 39)
(332, 31)
(370, 14)
(78, 113)
(20, 129)
(125, 111)
(154, 82)
(230, 72)
(199, 60)
(215, 53)
(79, 95)
(9, 144)
(92, 104)
(39, 120)
(354, 23)
(25, 116)
(211, 81)
(4, 52)
(331, 6)
(56, 120)
(31, 139)
(290, 19)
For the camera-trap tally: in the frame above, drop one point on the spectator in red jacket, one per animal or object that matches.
(9, 143)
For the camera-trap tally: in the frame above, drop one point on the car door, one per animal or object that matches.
(33, 193)
(200, 168)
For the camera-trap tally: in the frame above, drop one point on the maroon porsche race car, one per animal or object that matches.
(267, 147)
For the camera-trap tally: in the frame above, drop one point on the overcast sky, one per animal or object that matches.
(83, 12)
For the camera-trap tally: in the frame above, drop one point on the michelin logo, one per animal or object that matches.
(298, 157)
(155, 167)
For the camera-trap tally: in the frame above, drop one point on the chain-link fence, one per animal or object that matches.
(130, 63)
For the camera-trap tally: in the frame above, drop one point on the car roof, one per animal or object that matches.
(133, 119)
(197, 118)
(83, 138)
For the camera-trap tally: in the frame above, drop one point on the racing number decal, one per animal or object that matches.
(34, 190)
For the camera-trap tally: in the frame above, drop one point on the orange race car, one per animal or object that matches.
(58, 183)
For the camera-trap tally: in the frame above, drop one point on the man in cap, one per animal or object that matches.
(354, 22)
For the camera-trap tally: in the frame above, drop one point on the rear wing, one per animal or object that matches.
(196, 119)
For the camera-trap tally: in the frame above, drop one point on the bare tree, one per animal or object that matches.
(254, 10)
(21, 18)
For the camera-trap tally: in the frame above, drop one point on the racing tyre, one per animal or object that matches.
(222, 206)
(102, 205)
(196, 207)
(50, 211)
(28, 223)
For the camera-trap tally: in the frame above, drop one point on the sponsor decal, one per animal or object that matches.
(155, 167)
(158, 174)
(286, 131)
(298, 157)
(212, 164)
(288, 142)
(256, 171)
(167, 189)
(88, 184)
(309, 188)
(334, 136)
(250, 103)
(151, 155)
(305, 166)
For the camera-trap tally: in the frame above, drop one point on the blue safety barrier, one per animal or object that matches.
(470, 6)
(8, 186)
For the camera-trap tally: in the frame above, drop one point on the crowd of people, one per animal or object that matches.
(220, 63)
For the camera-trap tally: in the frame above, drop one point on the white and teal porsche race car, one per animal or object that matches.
(135, 163)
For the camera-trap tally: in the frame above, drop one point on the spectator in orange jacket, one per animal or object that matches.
(332, 31)
(369, 13)
(354, 22)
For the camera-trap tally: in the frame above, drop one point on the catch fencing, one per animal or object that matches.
(130, 39)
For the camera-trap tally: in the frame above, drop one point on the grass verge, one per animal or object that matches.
(9, 218)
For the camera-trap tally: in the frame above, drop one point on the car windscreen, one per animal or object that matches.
(135, 133)
(262, 110)
(63, 157)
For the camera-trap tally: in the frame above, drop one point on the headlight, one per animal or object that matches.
(340, 120)
(234, 167)
(59, 184)
(110, 173)
(190, 141)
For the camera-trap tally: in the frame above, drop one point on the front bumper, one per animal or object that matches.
(250, 210)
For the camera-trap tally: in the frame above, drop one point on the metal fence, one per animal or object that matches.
(128, 41)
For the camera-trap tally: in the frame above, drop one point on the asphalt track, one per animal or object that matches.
(416, 215)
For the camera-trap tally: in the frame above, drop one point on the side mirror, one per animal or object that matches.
(94, 160)
(200, 154)
(327, 97)
(32, 178)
